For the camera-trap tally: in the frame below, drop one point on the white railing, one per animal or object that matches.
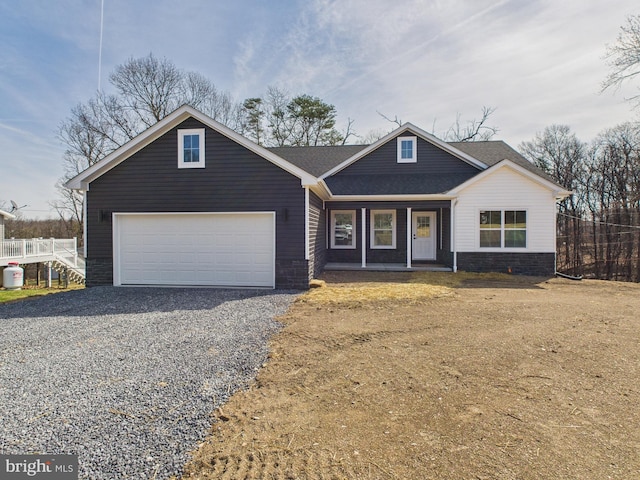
(40, 249)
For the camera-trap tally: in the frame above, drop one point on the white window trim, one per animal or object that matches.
(414, 154)
(181, 134)
(332, 231)
(372, 234)
(502, 229)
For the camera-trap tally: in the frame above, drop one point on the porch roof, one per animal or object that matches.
(394, 184)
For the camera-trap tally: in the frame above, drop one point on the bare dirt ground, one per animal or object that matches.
(441, 377)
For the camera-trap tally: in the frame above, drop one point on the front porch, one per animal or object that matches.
(387, 267)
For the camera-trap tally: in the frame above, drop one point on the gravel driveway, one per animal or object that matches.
(127, 377)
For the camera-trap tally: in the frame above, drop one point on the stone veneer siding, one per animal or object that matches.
(99, 272)
(292, 274)
(536, 264)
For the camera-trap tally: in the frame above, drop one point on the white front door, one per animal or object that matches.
(423, 246)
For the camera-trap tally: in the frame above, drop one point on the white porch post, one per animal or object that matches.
(453, 236)
(409, 235)
(363, 236)
(307, 253)
(48, 274)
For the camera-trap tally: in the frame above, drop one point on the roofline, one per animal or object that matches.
(8, 215)
(82, 180)
(559, 192)
(390, 198)
(407, 127)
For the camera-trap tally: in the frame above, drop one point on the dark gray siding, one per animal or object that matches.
(317, 235)
(398, 254)
(431, 161)
(235, 179)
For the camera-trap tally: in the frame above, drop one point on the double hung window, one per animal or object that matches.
(503, 228)
(343, 233)
(191, 148)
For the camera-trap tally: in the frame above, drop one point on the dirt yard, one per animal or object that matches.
(441, 376)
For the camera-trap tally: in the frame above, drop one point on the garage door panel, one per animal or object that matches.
(195, 249)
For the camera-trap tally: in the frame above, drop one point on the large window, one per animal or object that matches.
(343, 232)
(383, 229)
(407, 149)
(191, 148)
(503, 229)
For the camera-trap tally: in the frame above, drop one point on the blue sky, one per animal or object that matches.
(538, 62)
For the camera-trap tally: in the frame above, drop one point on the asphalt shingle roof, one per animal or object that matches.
(319, 160)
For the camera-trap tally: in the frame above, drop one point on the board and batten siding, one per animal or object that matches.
(506, 189)
(234, 180)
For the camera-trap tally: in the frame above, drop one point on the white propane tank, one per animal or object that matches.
(13, 277)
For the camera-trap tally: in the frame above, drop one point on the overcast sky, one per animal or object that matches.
(538, 62)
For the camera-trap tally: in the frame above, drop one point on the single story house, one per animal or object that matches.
(191, 202)
(4, 215)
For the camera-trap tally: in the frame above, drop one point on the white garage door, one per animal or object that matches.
(216, 249)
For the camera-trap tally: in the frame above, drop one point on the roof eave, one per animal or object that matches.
(82, 180)
(506, 163)
(407, 127)
(8, 215)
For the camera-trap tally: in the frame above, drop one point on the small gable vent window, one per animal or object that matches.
(191, 148)
(407, 149)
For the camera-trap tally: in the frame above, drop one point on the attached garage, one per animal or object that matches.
(194, 249)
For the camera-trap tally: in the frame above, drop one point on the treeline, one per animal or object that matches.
(599, 225)
(34, 228)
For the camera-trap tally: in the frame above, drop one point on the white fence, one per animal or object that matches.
(39, 250)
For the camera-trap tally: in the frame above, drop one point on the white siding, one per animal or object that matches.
(506, 189)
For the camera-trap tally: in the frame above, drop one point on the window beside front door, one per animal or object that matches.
(383, 228)
(343, 234)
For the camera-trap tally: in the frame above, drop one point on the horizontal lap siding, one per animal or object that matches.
(506, 189)
(317, 235)
(431, 160)
(234, 179)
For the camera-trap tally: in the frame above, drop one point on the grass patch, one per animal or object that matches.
(7, 296)
(417, 288)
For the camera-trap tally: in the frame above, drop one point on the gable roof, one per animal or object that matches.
(82, 180)
(404, 129)
(492, 152)
(317, 160)
(8, 215)
(558, 191)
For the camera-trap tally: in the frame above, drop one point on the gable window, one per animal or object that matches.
(343, 234)
(383, 229)
(503, 229)
(407, 149)
(191, 148)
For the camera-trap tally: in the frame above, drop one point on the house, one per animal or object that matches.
(191, 202)
(4, 215)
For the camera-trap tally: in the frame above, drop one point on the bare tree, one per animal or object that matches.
(623, 57)
(146, 90)
(471, 131)
(561, 155)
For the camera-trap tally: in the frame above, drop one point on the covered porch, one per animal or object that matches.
(387, 267)
(404, 235)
